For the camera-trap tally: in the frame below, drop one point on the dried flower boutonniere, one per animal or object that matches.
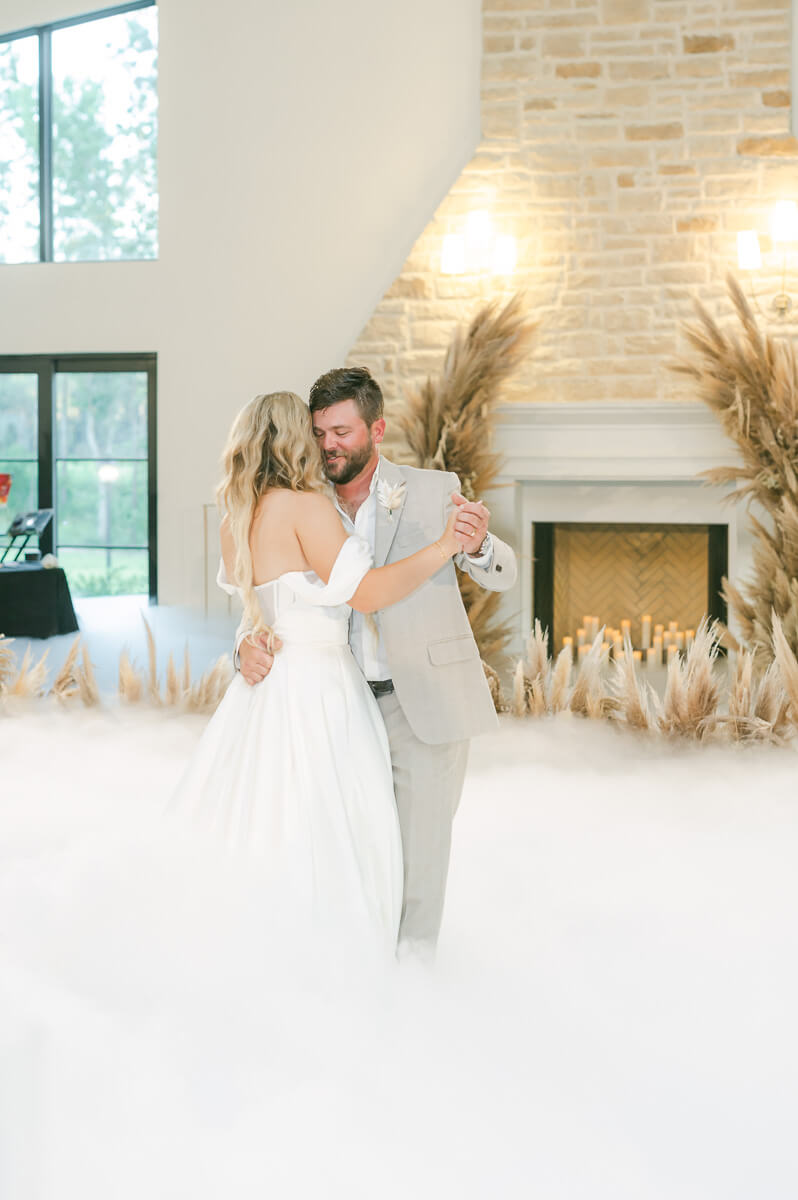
(390, 495)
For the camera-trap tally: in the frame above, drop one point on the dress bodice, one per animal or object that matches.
(301, 608)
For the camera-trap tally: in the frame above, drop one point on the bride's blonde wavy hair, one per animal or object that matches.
(270, 445)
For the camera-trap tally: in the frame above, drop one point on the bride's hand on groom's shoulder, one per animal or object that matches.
(255, 659)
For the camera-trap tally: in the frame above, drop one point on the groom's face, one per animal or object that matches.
(347, 443)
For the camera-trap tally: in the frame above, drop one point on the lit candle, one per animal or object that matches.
(605, 649)
(680, 641)
(582, 652)
(580, 637)
(689, 638)
(618, 647)
(637, 655)
(672, 652)
(626, 628)
(587, 622)
(645, 634)
(667, 639)
(658, 648)
(673, 626)
(659, 630)
(653, 657)
(568, 641)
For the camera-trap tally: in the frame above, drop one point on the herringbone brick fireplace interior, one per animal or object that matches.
(619, 571)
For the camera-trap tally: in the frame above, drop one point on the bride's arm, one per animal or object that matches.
(321, 536)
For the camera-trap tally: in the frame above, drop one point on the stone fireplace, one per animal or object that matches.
(620, 571)
(606, 509)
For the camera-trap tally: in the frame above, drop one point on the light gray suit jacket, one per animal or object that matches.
(432, 655)
(431, 651)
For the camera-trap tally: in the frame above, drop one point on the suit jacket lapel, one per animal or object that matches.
(387, 522)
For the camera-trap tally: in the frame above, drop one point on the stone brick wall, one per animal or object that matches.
(625, 144)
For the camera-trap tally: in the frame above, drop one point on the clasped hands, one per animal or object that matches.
(471, 524)
(470, 527)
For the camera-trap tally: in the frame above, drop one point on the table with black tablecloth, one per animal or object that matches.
(35, 601)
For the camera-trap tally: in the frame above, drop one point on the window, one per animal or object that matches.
(78, 435)
(78, 138)
(19, 437)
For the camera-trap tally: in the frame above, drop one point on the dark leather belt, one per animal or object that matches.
(381, 687)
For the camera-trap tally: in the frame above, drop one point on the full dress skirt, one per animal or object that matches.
(294, 773)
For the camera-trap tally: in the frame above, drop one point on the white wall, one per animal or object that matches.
(303, 147)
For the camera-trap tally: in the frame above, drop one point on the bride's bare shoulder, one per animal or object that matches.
(287, 506)
(284, 500)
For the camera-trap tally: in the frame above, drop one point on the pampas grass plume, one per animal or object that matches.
(131, 684)
(65, 685)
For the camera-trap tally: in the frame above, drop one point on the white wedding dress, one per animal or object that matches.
(295, 773)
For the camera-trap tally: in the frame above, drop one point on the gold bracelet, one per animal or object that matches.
(444, 555)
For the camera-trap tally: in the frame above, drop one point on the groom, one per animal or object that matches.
(419, 656)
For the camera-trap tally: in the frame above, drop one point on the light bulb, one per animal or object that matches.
(478, 228)
(749, 255)
(505, 254)
(784, 221)
(453, 255)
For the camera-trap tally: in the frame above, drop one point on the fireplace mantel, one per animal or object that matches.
(610, 441)
(611, 463)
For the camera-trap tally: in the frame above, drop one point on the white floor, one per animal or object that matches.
(613, 1013)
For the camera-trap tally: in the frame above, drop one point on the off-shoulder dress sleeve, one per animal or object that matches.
(223, 582)
(353, 562)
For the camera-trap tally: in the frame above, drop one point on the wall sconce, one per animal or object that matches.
(783, 231)
(479, 248)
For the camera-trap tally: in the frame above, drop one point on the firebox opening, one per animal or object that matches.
(622, 573)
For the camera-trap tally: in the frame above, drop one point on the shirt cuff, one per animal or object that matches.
(486, 557)
(236, 656)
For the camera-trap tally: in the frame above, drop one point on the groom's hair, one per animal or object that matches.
(348, 383)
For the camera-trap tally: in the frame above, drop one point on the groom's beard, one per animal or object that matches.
(342, 466)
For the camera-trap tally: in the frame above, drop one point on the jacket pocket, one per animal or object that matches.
(452, 650)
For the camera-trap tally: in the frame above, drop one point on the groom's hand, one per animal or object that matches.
(256, 661)
(472, 522)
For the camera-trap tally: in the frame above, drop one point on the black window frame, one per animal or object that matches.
(44, 34)
(46, 367)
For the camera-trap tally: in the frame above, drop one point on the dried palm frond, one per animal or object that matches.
(560, 681)
(131, 684)
(186, 681)
(153, 687)
(87, 682)
(537, 652)
(448, 424)
(751, 383)
(31, 679)
(637, 705)
(589, 697)
(494, 683)
(757, 704)
(787, 667)
(206, 693)
(173, 693)
(7, 661)
(531, 675)
(65, 685)
(519, 704)
(692, 691)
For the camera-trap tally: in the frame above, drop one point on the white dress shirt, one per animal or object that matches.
(365, 638)
(364, 633)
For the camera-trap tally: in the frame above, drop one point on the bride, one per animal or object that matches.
(297, 768)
